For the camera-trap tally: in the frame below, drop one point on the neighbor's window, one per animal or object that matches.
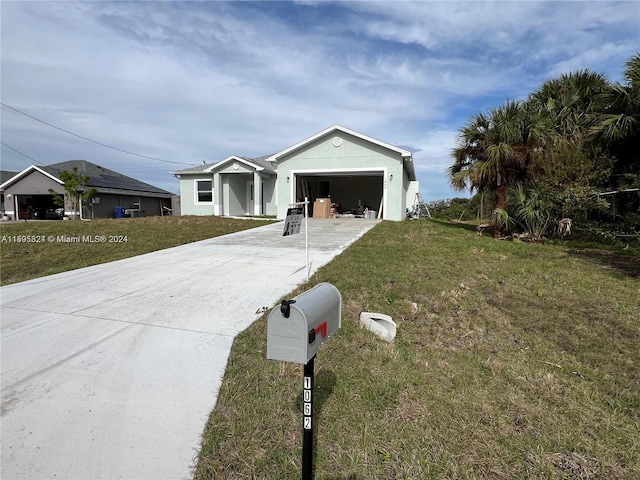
(204, 193)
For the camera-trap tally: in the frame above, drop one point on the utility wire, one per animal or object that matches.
(23, 154)
(88, 139)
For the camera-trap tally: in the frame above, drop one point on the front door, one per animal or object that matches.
(250, 196)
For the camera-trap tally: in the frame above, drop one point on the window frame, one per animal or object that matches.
(197, 191)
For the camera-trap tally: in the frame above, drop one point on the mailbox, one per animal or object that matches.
(298, 327)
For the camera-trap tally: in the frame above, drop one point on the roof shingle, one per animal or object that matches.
(260, 161)
(103, 177)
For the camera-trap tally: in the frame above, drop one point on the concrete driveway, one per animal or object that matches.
(111, 371)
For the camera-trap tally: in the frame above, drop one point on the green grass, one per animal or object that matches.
(512, 360)
(43, 255)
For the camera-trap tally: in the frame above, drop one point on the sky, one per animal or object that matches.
(192, 82)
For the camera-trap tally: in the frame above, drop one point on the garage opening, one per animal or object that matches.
(350, 193)
(38, 207)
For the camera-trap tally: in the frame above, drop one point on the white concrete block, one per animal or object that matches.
(380, 324)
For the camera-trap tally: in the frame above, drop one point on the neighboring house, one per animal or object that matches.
(5, 175)
(27, 193)
(354, 170)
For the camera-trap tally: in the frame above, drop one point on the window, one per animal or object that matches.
(204, 192)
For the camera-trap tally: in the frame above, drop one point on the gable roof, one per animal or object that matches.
(259, 163)
(196, 169)
(6, 175)
(262, 161)
(338, 128)
(23, 173)
(101, 178)
(269, 163)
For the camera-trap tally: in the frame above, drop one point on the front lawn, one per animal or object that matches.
(37, 248)
(512, 360)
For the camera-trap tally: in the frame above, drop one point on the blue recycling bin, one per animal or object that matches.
(119, 211)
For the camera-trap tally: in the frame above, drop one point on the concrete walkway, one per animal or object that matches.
(111, 371)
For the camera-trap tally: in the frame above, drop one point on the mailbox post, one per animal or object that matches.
(295, 331)
(307, 420)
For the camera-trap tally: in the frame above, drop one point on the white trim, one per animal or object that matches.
(258, 194)
(383, 171)
(23, 173)
(217, 194)
(232, 158)
(274, 158)
(195, 191)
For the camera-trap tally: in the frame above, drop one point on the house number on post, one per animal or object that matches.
(307, 421)
(308, 407)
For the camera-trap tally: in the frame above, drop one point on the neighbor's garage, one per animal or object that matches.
(29, 198)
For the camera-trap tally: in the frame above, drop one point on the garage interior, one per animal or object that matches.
(350, 194)
(38, 207)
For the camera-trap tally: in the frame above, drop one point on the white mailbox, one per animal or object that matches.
(297, 327)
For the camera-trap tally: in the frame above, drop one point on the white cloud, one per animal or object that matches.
(200, 81)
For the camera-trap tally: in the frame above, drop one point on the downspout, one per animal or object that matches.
(80, 206)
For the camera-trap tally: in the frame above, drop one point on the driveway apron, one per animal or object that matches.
(111, 371)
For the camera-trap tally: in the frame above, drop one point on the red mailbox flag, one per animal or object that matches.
(322, 328)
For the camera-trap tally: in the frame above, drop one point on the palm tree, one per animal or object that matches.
(574, 135)
(574, 164)
(617, 127)
(566, 104)
(617, 130)
(494, 150)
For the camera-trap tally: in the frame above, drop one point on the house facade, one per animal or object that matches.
(354, 171)
(27, 194)
(236, 186)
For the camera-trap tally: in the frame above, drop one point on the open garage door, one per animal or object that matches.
(37, 207)
(351, 191)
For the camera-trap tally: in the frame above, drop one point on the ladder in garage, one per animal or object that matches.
(420, 209)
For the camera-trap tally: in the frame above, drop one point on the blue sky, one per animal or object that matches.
(188, 82)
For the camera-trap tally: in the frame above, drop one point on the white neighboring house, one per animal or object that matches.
(354, 170)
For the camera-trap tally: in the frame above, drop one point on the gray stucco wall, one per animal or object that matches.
(34, 183)
(150, 206)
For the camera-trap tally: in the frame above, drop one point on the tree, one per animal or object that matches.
(495, 150)
(74, 190)
(566, 104)
(617, 126)
(617, 129)
(573, 139)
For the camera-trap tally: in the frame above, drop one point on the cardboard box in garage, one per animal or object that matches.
(322, 208)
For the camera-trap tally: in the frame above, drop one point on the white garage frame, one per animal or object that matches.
(340, 171)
